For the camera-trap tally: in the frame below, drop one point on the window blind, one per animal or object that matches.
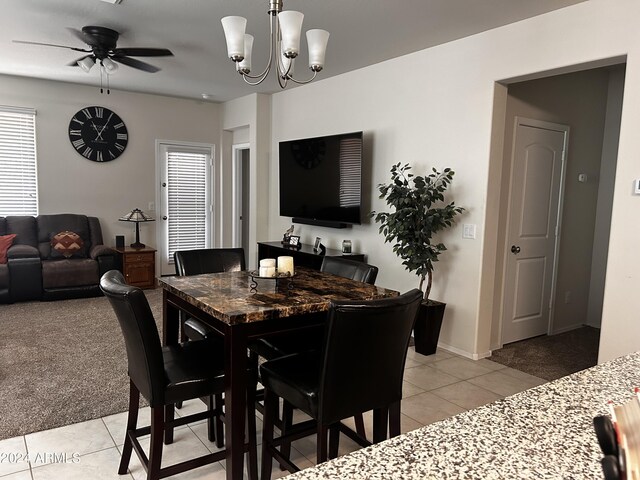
(187, 201)
(18, 168)
(350, 171)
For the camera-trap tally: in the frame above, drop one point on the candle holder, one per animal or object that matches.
(279, 277)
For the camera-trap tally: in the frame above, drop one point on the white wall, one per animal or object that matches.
(251, 114)
(435, 108)
(69, 183)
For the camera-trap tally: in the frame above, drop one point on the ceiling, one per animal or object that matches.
(363, 32)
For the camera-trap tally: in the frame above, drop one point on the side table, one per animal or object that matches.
(138, 265)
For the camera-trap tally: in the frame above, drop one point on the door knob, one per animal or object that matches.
(164, 217)
(515, 249)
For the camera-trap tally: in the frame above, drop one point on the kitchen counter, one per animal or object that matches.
(542, 433)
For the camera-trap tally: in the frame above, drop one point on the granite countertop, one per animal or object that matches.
(229, 297)
(542, 433)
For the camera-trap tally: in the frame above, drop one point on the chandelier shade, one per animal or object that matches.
(286, 30)
(234, 28)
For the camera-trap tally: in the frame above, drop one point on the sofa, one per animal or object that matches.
(52, 257)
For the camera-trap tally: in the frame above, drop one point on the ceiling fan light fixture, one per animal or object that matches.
(86, 64)
(109, 65)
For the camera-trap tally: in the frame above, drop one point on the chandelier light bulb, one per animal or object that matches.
(244, 66)
(234, 31)
(317, 41)
(291, 28)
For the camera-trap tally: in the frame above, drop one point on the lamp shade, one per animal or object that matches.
(109, 65)
(86, 64)
(317, 42)
(234, 29)
(291, 28)
(136, 215)
(245, 65)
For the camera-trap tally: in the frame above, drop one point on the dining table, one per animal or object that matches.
(241, 307)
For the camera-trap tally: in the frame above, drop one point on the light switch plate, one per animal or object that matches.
(469, 230)
(636, 187)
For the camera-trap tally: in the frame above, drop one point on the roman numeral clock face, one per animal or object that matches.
(98, 134)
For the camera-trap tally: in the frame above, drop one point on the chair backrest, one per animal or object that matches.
(144, 351)
(364, 355)
(209, 260)
(344, 267)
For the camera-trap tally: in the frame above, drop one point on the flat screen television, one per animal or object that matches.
(321, 180)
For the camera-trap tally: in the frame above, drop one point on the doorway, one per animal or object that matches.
(590, 103)
(185, 199)
(241, 188)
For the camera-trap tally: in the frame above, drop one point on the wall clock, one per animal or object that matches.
(98, 134)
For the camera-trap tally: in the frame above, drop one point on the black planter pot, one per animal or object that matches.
(427, 327)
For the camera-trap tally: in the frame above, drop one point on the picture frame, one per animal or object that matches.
(294, 240)
(316, 245)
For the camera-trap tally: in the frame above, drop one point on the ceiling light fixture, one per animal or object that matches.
(86, 64)
(285, 29)
(109, 65)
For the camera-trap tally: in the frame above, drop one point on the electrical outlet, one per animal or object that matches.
(567, 297)
(152, 206)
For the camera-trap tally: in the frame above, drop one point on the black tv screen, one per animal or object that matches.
(321, 179)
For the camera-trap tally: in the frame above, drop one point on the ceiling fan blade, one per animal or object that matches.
(142, 52)
(51, 45)
(132, 62)
(75, 62)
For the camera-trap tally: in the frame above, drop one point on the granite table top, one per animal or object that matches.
(542, 433)
(229, 297)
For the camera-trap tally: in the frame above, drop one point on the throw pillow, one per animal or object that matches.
(66, 244)
(5, 242)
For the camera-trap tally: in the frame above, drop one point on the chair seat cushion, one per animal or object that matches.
(193, 369)
(295, 377)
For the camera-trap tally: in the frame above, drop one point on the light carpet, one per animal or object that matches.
(62, 362)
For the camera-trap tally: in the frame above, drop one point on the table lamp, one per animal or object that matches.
(137, 215)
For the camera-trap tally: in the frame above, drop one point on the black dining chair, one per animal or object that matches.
(311, 338)
(343, 379)
(164, 376)
(196, 262)
(199, 261)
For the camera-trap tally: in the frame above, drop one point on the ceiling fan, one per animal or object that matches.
(101, 42)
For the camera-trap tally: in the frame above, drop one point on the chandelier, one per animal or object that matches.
(285, 29)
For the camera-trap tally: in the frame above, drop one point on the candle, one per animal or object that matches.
(268, 262)
(267, 271)
(285, 265)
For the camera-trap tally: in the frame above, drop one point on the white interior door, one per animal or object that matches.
(537, 171)
(185, 199)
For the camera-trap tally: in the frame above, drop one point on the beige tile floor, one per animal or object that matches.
(435, 387)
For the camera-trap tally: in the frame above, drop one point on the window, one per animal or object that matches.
(18, 172)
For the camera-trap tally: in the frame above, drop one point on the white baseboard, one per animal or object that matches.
(464, 353)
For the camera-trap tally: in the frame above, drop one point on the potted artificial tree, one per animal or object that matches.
(420, 212)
